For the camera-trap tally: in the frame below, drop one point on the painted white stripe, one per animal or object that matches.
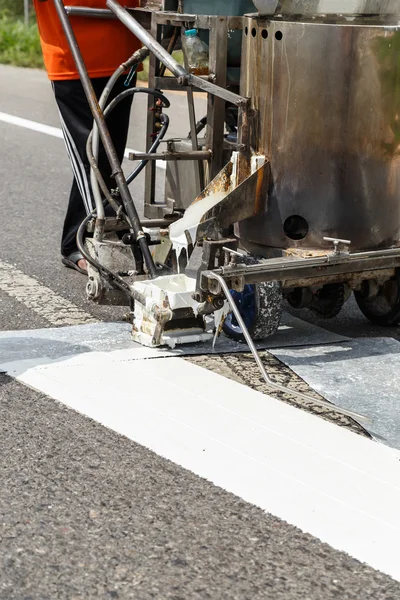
(52, 131)
(42, 300)
(33, 125)
(331, 483)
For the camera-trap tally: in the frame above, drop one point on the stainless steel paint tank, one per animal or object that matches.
(327, 99)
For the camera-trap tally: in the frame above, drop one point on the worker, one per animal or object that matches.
(104, 44)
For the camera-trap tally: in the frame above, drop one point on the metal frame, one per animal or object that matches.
(218, 28)
(183, 78)
(290, 270)
(147, 26)
(216, 282)
(286, 269)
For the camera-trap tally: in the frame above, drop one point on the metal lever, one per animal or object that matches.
(268, 380)
(336, 245)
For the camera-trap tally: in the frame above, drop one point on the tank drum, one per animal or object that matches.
(327, 100)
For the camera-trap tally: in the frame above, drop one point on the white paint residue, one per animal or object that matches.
(257, 161)
(42, 300)
(234, 176)
(179, 290)
(174, 292)
(190, 222)
(219, 318)
(196, 211)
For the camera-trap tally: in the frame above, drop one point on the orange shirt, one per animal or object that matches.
(104, 44)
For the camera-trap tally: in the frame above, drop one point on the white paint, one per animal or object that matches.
(196, 212)
(331, 483)
(190, 222)
(32, 125)
(219, 319)
(172, 292)
(51, 131)
(178, 289)
(42, 300)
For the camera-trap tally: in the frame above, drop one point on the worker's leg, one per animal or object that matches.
(77, 122)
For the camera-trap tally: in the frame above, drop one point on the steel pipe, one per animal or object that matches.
(82, 11)
(183, 76)
(273, 265)
(146, 38)
(257, 358)
(195, 155)
(216, 90)
(159, 223)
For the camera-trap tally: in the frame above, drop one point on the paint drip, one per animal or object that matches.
(190, 223)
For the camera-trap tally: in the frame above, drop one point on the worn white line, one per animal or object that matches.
(42, 300)
(329, 482)
(49, 130)
(32, 125)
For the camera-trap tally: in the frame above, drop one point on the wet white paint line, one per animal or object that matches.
(49, 130)
(329, 482)
(42, 300)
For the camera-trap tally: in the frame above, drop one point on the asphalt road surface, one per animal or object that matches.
(85, 513)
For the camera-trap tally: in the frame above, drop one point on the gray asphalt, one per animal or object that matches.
(85, 513)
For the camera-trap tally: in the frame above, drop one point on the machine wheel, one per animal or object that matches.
(382, 308)
(260, 306)
(328, 301)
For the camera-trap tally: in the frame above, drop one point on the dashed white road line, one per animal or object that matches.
(32, 125)
(42, 300)
(48, 130)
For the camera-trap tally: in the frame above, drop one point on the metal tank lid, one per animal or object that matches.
(327, 7)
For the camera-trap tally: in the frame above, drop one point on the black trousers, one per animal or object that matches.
(77, 122)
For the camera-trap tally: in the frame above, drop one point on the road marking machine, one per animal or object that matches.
(288, 189)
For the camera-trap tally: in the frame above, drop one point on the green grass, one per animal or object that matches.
(15, 8)
(19, 45)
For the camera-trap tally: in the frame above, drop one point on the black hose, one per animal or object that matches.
(152, 149)
(161, 134)
(199, 126)
(136, 90)
(140, 167)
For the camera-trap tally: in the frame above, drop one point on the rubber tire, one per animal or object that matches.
(269, 308)
(369, 306)
(322, 308)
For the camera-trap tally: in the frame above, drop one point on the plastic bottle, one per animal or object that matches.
(196, 53)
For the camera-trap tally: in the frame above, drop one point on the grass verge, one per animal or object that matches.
(19, 45)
